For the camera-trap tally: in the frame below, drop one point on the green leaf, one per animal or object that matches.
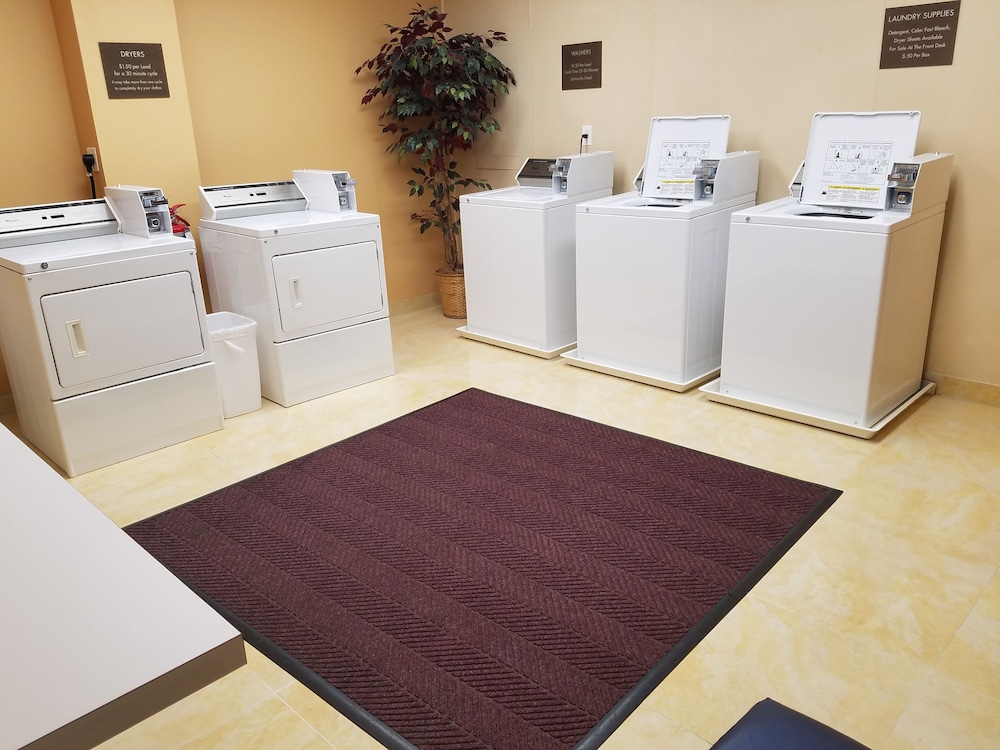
(438, 90)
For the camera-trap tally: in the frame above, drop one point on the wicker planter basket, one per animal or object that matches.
(451, 286)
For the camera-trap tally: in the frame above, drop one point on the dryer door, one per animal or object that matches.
(113, 333)
(321, 288)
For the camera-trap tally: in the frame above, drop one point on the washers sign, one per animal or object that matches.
(581, 66)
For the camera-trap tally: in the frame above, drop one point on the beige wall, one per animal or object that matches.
(770, 65)
(41, 161)
(259, 88)
(40, 152)
(139, 141)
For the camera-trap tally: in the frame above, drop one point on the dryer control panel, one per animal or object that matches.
(250, 199)
(142, 211)
(50, 222)
(327, 190)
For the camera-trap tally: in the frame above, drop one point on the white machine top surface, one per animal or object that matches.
(789, 212)
(519, 197)
(87, 251)
(676, 147)
(636, 204)
(850, 155)
(290, 222)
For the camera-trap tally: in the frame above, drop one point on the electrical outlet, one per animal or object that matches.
(93, 152)
(588, 134)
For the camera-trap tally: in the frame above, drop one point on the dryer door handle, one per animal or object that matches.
(294, 289)
(77, 338)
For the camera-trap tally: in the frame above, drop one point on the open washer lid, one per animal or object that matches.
(850, 155)
(676, 146)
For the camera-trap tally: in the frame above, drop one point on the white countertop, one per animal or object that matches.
(95, 634)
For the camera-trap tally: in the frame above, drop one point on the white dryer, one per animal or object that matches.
(829, 291)
(298, 258)
(519, 253)
(651, 264)
(103, 328)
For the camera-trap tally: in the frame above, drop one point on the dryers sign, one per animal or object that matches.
(134, 70)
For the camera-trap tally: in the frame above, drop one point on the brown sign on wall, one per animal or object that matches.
(919, 35)
(134, 70)
(581, 66)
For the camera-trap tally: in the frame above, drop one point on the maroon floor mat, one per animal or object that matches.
(483, 573)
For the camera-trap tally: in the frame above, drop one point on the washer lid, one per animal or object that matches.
(850, 155)
(633, 204)
(676, 146)
(517, 196)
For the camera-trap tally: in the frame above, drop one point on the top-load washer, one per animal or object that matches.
(651, 264)
(103, 328)
(829, 291)
(519, 253)
(298, 258)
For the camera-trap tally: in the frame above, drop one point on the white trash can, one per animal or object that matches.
(234, 349)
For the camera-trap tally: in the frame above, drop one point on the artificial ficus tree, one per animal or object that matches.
(439, 90)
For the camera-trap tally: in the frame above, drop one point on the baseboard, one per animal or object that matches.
(403, 306)
(967, 390)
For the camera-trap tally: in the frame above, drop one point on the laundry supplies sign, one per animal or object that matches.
(134, 70)
(581, 66)
(919, 35)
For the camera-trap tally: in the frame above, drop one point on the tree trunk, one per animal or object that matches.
(446, 213)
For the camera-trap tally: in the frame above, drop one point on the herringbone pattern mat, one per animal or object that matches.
(484, 573)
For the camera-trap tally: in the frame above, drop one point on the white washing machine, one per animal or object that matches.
(829, 293)
(651, 264)
(298, 258)
(103, 328)
(519, 253)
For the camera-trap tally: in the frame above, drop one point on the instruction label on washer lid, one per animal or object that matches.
(850, 154)
(676, 165)
(856, 171)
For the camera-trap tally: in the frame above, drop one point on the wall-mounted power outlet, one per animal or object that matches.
(93, 152)
(588, 134)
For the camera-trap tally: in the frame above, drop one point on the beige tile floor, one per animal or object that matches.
(884, 620)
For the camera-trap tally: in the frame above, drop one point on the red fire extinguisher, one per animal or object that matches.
(178, 223)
